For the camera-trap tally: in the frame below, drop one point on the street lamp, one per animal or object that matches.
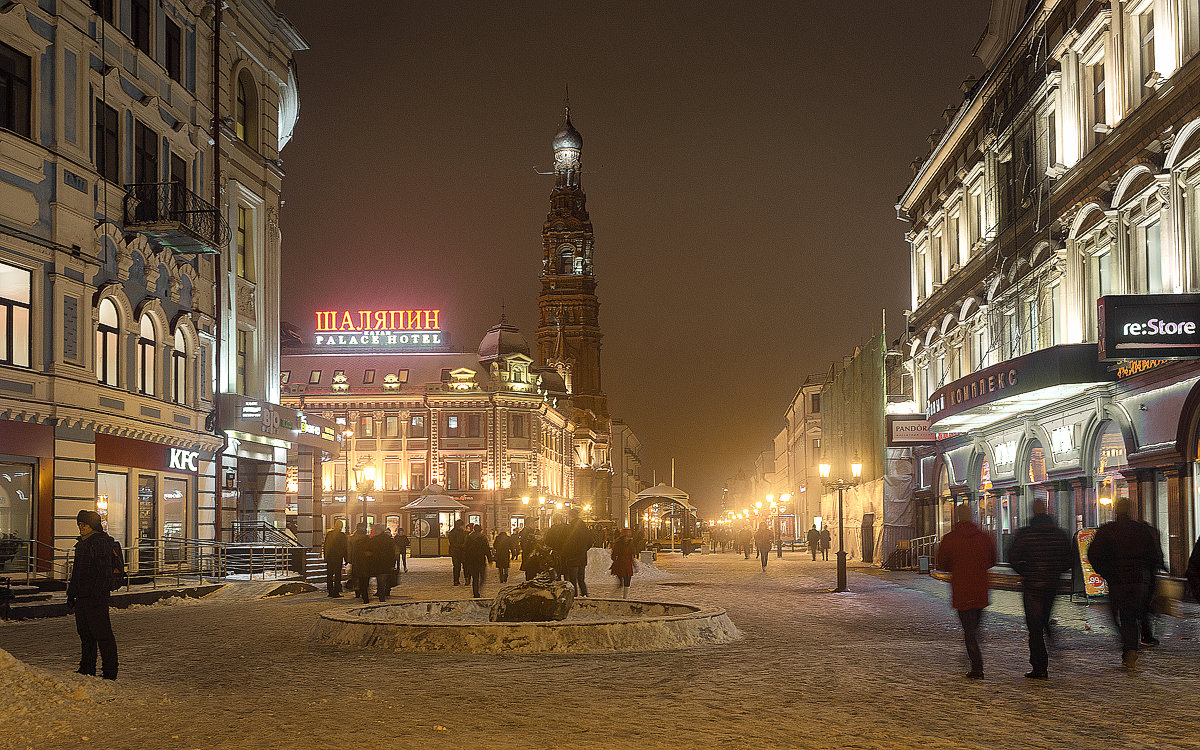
(779, 524)
(364, 482)
(841, 485)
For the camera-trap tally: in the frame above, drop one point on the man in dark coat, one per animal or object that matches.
(504, 548)
(477, 553)
(967, 553)
(1125, 554)
(87, 595)
(826, 542)
(1040, 553)
(362, 562)
(746, 540)
(401, 540)
(531, 563)
(336, 551)
(556, 540)
(458, 542)
(813, 537)
(762, 542)
(384, 562)
(575, 552)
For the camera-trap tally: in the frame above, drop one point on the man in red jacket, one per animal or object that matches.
(967, 553)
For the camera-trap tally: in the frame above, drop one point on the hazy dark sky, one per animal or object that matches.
(741, 161)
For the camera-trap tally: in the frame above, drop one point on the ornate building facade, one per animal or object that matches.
(568, 334)
(1068, 174)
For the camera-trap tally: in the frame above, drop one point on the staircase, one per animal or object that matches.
(314, 567)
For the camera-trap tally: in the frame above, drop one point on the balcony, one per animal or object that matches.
(175, 217)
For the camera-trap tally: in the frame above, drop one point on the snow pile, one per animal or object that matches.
(648, 572)
(166, 601)
(600, 560)
(24, 689)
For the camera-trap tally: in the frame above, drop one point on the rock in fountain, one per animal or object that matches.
(539, 600)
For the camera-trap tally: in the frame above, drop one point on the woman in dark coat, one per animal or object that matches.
(502, 547)
(622, 560)
(531, 564)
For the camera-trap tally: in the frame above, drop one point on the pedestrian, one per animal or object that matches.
(530, 563)
(1149, 608)
(639, 540)
(1193, 571)
(336, 551)
(967, 553)
(503, 549)
(88, 593)
(622, 561)
(762, 542)
(362, 562)
(359, 537)
(826, 542)
(458, 541)
(477, 553)
(1040, 553)
(556, 539)
(384, 548)
(1125, 554)
(575, 553)
(745, 539)
(814, 541)
(401, 541)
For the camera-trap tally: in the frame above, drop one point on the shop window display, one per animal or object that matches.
(1109, 484)
(112, 492)
(16, 513)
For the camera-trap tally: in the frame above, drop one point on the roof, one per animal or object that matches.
(502, 340)
(367, 371)
(434, 497)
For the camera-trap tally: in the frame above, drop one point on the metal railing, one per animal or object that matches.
(261, 531)
(156, 204)
(909, 552)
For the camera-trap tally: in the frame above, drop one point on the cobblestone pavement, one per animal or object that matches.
(882, 666)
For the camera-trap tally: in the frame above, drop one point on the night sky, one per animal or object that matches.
(741, 161)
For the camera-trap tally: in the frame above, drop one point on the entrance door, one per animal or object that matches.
(16, 514)
(147, 516)
(249, 489)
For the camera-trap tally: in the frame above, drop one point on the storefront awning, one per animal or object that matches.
(1017, 385)
(261, 421)
(434, 498)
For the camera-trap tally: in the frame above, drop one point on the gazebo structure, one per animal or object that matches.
(429, 519)
(660, 494)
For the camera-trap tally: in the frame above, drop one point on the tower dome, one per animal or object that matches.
(568, 137)
(501, 340)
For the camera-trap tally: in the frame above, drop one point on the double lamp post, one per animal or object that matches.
(841, 485)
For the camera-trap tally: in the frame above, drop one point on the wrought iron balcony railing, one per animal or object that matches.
(175, 217)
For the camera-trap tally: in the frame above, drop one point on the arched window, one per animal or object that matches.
(145, 356)
(245, 115)
(179, 369)
(106, 344)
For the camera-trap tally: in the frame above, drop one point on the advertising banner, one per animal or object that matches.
(906, 430)
(1093, 584)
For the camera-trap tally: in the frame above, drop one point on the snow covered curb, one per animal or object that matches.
(24, 688)
(600, 626)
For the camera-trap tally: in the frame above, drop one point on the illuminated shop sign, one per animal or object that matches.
(906, 430)
(1133, 367)
(265, 422)
(184, 460)
(1149, 326)
(384, 329)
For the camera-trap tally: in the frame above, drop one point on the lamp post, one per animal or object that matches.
(364, 482)
(348, 448)
(779, 524)
(841, 485)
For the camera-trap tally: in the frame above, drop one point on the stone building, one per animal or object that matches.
(1067, 175)
(128, 151)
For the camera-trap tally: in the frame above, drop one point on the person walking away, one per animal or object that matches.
(556, 539)
(575, 552)
(762, 542)
(336, 551)
(503, 549)
(529, 563)
(813, 537)
(477, 553)
(359, 536)
(1148, 606)
(458, 541)
(385, 562)
(1124, 553)
(1040, 553)
(88, 593)
(622, 561)
(826, 542)
(967, 553)
(745, 539)
(362, 562)
(401, 540)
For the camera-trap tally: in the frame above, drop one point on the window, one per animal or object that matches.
(366, 427)
(474, 474)
(1051, 139)
(958, 254)
(391, 476)
(243, 351)
(1033, 324)
(245, 115)
(105, 9)
(1057, 323)
(108, 136)
(140, 24)
(474, 425)
(517, 475)
(1100, 274)
(15, 87)
(174, 52)
(16, 287)
(416, 426)
(145, 155)
(244, 242)
(1097, 109)
(368, 377)
(816, 445)
(339, 476)
(1144, 78)
(816, 403)
(1148, 250)
(518, 425)
(179, 369)
(981, 352)
(314, 377)
(145, 356)
(975, 213)
(937, 257)
(391, 427)
(416, 476)
(1012, 328)
(453, 479)
(452, 426)
(106, 344)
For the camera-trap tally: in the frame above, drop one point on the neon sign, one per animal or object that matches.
(378, 328)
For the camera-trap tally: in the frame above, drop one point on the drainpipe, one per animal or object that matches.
(219, 266)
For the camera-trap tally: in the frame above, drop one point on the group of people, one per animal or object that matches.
(374, 554)
(747, 540)
(1125, 552)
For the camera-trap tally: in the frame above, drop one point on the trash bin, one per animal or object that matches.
(646, 557)
(923, 563)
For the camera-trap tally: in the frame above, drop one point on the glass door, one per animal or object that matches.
(16, 514)
(147, 520)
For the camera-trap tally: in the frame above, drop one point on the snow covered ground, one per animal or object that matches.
(880, 667)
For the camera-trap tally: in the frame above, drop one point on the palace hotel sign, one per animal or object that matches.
(400, 330)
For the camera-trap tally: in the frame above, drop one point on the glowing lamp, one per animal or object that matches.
(524, 501)
(856, 466)
(1104, 500)
(824, 469)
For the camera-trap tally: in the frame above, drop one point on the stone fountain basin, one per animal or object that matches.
(462, 626)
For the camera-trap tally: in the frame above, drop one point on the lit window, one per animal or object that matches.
(16, 286)
(145, 356)
(179, 369)
(243, 353)
(368, 377)
(245, 243)
(314, 377)
(106, 344)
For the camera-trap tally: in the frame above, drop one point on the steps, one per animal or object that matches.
(314, 567)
